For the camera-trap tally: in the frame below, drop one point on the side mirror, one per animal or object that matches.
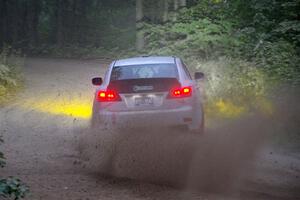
(199, 75)
(97, 81)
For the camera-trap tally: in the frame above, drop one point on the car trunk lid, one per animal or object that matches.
(144, 94)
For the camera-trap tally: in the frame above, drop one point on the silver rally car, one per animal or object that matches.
(147, 92)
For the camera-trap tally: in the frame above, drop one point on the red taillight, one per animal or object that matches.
(108, 95)
(181, 92)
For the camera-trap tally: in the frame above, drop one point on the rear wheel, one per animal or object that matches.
(200, 129)
(95, 121)
(200, 126)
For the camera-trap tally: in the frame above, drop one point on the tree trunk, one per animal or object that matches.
(59, 22)
(14, 22)
(176, 6)
(166, 11)
(182, 3)
(82, 21)
(140, 43)
(3, 25)
(34, 21)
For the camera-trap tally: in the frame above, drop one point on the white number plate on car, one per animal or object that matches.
(143, 101)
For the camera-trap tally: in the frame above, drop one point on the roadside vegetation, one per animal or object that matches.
(10, 77)
(244, 48)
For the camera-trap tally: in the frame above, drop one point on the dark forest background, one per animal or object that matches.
(36, 24)
(209, 27)
(245, 47)
(249, 43)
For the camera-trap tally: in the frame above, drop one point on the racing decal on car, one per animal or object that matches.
(138, 88)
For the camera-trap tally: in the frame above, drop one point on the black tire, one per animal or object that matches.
(201, 129)
(95, 120)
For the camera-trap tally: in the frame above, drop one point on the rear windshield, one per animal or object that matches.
(144, 71)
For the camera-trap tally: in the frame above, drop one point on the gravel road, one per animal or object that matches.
(46, 127)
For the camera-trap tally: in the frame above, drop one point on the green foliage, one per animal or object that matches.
(9, 75)
(12, 187)
(233, 87)
(266, 33)
(280, 60)
(233, 79)
(201, 38)
(244, 47)
(211, 9)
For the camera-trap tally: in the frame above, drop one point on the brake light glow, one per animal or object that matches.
(108, 95)
(181, 92)
(186, 90)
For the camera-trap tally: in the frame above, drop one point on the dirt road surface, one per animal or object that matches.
(42, 125)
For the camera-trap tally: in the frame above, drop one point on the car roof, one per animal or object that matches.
(146, 60)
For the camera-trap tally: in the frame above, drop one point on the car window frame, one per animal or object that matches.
(186, 71)
(175, 67)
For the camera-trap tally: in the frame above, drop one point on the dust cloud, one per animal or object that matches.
(212, 162)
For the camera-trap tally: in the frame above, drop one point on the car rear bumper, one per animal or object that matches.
(148, 118)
